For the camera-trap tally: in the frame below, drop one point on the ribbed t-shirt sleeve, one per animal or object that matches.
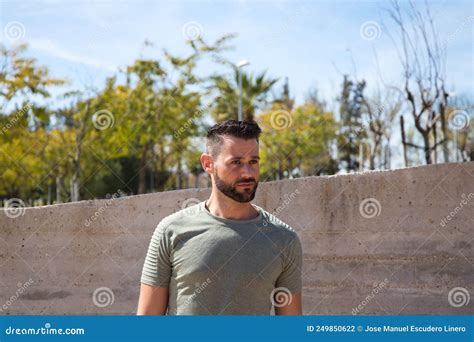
(291, 275)
(157, 267)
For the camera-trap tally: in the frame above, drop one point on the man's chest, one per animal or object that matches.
(242, 255)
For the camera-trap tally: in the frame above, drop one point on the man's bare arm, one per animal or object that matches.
(153, 300)
(293, 308)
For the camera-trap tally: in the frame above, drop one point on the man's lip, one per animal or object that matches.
(246, 184)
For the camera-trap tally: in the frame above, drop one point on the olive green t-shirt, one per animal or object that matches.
(217, 266)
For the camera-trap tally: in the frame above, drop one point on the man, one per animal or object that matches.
(224, 256)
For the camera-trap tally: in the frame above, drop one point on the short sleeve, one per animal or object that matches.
(291, 275)
(157, 267)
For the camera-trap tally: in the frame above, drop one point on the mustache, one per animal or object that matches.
(246, 181)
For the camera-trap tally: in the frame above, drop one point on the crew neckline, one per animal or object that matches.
(232, 221)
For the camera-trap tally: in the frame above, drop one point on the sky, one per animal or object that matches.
(313, 43)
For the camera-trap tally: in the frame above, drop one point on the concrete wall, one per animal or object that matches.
(402, 258)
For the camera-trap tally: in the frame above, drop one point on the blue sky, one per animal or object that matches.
(312, 42)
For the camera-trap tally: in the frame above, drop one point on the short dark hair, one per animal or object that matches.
(240, 129)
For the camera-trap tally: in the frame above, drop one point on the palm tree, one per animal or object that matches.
(255, 91)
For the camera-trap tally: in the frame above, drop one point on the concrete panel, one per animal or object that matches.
(377, 241)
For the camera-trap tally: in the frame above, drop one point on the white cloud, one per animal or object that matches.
(50, 48)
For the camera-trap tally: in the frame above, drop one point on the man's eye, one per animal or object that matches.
(254, 161)
(236, 162)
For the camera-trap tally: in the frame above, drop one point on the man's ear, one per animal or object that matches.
(207, 163)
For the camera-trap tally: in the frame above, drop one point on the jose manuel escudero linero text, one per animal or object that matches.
(224, 255)
(414, 328)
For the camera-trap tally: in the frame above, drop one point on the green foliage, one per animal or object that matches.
(145, 132)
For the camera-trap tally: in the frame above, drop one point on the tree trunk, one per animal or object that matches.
(442, 112)
(58, 190)
(179, 178)
(404, 142)
(427, 147)
(435, 140)
(75, 180)
(142, 170)
(196, 181)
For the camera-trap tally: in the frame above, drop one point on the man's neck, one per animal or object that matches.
(229, 209)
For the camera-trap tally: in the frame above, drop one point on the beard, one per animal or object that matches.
(230, 190)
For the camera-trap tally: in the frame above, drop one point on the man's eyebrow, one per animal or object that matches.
(253, 157)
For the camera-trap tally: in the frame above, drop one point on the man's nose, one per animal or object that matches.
(247, 172)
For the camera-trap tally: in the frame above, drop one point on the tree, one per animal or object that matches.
(379, 113)
(351, 132)
(297, 143)
(23, 123)
(460, 133)
(423, 63)
(21, 78)
(255, 90)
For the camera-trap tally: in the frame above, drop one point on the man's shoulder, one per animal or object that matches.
(278, 226)
(180, 217)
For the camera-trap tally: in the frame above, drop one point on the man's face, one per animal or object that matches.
(238, 163)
